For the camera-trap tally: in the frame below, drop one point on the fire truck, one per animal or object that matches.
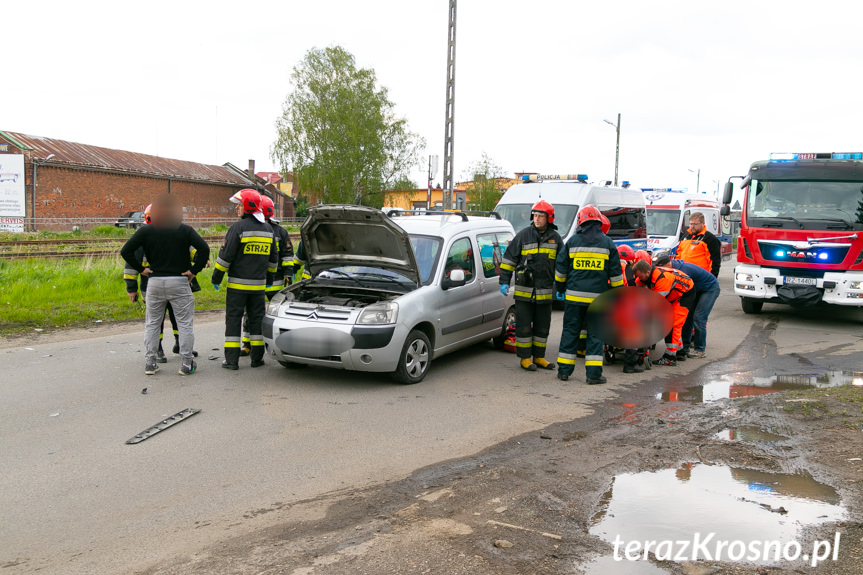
(801, 231)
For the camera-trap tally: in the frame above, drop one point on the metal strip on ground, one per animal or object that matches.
(162, 425)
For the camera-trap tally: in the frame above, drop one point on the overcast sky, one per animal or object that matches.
(710, 85)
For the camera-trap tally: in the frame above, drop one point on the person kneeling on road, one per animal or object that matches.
(588, 265)
(677, 288)
(706, 292)
(531, 256)
(167, 243)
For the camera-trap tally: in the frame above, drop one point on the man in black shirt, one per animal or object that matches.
(166, 244)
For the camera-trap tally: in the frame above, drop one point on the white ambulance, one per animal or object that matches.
(668, 214)
(624, 207)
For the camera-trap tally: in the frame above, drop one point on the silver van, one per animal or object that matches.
(391, 294)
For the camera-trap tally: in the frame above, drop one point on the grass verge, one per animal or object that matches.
(48, 294)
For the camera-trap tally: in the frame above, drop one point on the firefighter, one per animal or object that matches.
(674, 286)
(633, 359)
(530, 256)
(249, 257)
(284, 272)
(700, 247)
(587, 266)
(582, 337)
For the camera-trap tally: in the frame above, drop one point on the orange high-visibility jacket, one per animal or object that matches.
(669, 283)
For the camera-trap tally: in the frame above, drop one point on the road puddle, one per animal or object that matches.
(733, 504)
(731, 387)
(749, 434)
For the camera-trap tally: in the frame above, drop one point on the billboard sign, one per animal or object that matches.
(12, 198)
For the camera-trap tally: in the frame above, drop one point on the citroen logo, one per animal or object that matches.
(313, 315)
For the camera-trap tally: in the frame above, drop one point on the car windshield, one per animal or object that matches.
(365, 275)
(663, 222)
(806, 204)
(426, 251)
(127, 215)
(519, 215)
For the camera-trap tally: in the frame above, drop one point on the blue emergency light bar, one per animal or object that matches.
(785, 156)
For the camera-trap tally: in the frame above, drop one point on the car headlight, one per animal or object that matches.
(855, 285)
(379, 313)
(278, 300)
(744, 277)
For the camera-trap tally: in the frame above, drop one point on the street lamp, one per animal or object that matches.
(617, 148)
(33, 192)
(697, 180)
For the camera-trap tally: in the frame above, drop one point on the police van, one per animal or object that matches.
(623, 207)
(668, 214)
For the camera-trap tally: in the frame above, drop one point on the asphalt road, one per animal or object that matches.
(76, 499)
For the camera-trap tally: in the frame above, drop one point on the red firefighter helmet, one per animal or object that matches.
(250, 199)
(626, 252)
(147, 214)
(606, 225)
(545, 208)
(588, 213)
(643, 255)
(267, 206)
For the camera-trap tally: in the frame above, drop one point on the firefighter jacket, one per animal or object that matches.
(285, 269)
(530, 256)
(703, 250)
(587, 265)
(249, 256)
(668, 282)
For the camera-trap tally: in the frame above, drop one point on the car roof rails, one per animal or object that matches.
(461, 213)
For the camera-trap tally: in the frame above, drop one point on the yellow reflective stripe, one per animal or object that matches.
(565, 361)
(580, 299)
(256, 343)
(130, 276)
(559, 278)
(530, 251)
(247, 287)
(543, 296)
(232, 344)
(523, 344)
(549, 251)
(522, 293)
(589, 363)
(220, 267)
(617, 283)
(507, 267)
(539, 343)
(272, 270)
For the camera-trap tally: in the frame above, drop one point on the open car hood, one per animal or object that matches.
(344, 235)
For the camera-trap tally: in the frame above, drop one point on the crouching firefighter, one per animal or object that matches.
(588, 265)
(530, 256)
(250, 258)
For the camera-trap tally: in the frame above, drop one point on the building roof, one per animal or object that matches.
(87, 156)
(270, 177)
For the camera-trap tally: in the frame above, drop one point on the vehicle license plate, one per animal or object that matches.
(800, 281)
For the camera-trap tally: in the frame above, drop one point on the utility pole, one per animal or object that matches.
(431, 174)
(617, 147)
(450, 110)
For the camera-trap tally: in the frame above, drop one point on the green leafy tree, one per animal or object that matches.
(339, 132)
(483, 194)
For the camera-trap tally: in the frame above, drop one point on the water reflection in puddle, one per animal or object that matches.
(734, 504)
(731, 387)
(749, 433)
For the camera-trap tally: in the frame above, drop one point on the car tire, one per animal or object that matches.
(415, 359)
(508, 318)
(751, 305)
(293, 365)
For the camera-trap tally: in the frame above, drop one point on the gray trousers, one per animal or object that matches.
(177, 291)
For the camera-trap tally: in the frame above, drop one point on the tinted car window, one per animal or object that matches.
(490, 253)
(426, 249)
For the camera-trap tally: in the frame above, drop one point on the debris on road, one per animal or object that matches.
(144, 391)
(162, 425)
(503, 544)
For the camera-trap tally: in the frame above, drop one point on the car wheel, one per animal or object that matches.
(508, 318)
(293, 365)
(415, 359)
(751, 305)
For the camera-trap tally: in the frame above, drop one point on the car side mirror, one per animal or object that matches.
(724, 210)
(456, 279)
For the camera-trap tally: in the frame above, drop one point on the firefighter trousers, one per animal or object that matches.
(574, 321)
(674, 339)
(532, 324)
(252, 303)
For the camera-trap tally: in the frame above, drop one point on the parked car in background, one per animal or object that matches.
(132, 220)
(390, 294)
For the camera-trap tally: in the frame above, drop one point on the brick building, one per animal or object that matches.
(67, 183)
